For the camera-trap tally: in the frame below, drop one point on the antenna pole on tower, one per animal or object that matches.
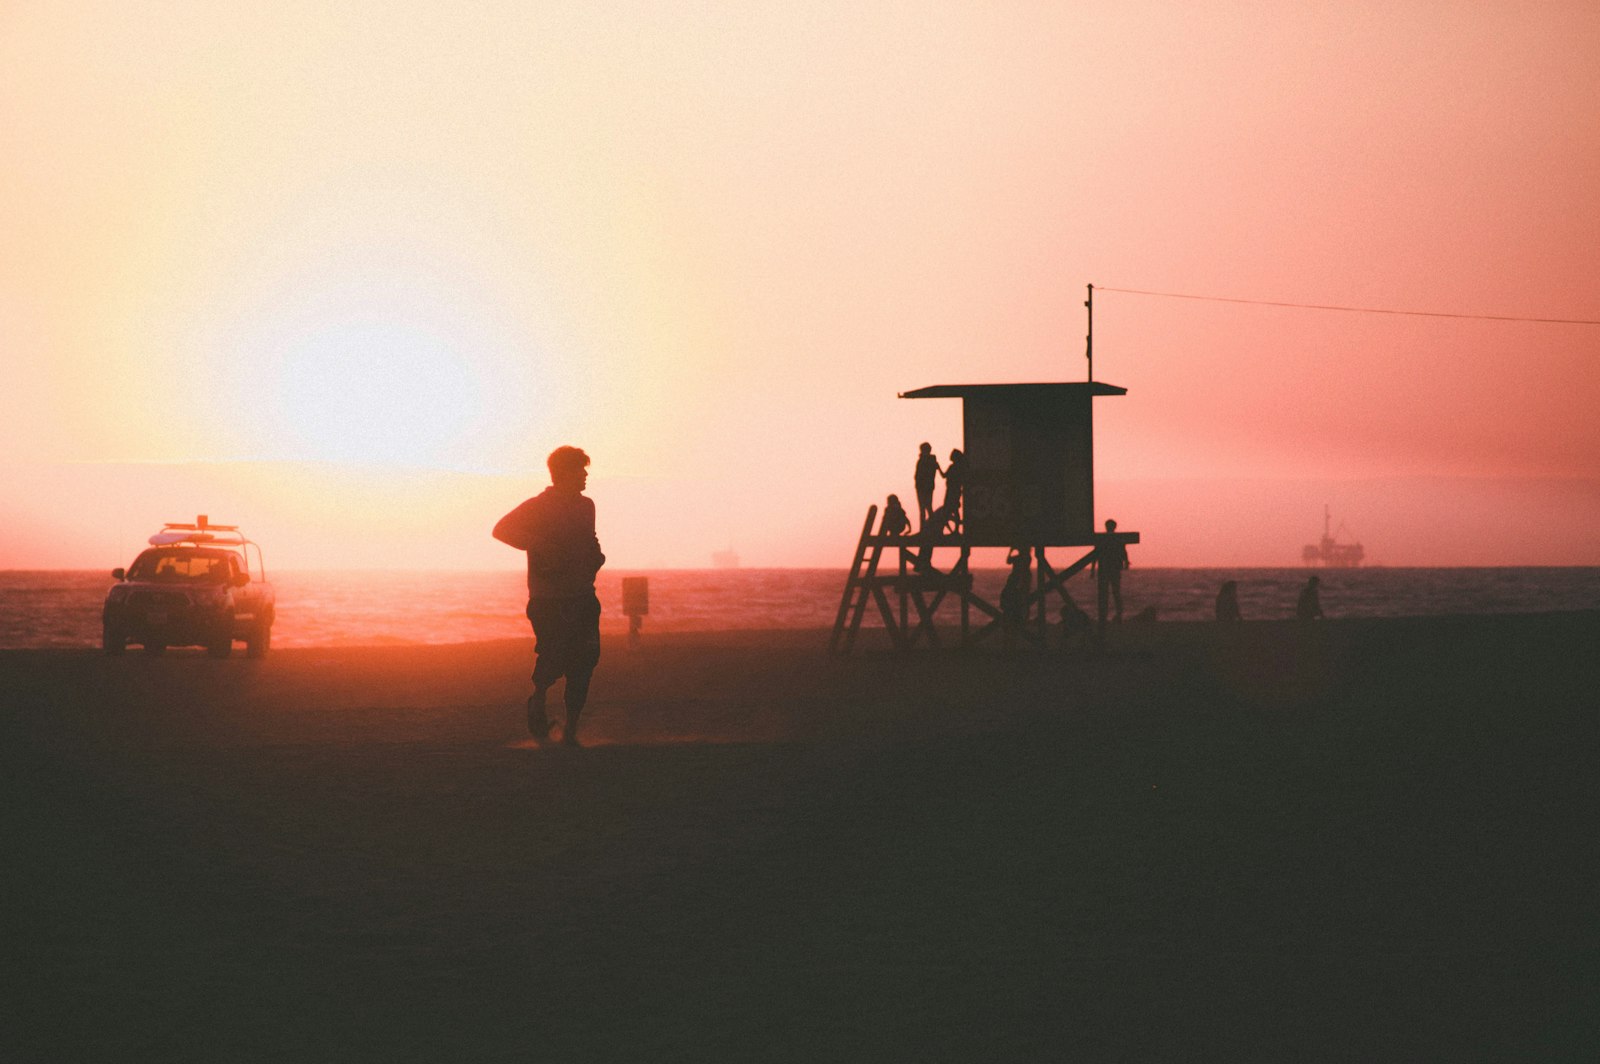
(1088, 343)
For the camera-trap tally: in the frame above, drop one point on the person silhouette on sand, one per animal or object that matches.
(556, 529)
(926, 474)
(1110, 558)
(1309, 605)
(1074, 622)
(1018, 586)
(1228, 602)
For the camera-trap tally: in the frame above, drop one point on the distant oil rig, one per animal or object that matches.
(1329, 553)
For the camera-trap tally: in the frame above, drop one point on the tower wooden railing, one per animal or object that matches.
(917, 584)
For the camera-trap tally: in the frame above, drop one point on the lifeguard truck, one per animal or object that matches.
(197, 585)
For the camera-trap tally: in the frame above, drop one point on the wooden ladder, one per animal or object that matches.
(858, 588)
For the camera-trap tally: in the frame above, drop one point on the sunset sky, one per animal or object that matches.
(345, 273)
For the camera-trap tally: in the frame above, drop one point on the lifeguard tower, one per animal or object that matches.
(1030, 485)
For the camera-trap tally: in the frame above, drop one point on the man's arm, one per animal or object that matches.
(515, 529)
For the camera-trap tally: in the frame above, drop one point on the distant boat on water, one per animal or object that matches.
(1330, 553)
(725, 559)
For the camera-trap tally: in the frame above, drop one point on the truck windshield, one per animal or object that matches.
(184, 566)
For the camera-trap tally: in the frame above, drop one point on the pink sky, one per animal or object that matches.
(347, 275)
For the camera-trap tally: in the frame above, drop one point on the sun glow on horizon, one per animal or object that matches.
(374, 393)
(366, 353)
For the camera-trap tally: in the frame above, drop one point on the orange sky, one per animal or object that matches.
(347, 273)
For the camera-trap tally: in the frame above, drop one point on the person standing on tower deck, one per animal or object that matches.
(955, 483)
(556, 529)
(926, 474)
(1110, 558)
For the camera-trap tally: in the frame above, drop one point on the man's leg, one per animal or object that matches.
(1116, 593)
(538, 720)
(1104, 588)
(575, 695)
(584, 620)
(545, 670)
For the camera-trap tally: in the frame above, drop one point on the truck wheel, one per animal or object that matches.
(259, 641)
(113, 640)
(155, 650)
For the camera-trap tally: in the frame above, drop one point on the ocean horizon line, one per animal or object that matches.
(517, 570)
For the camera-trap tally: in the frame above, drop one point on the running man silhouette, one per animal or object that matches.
(556, 529)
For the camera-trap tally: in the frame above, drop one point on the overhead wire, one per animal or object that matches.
(1351, 310)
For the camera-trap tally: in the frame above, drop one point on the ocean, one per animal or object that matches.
(365, 608)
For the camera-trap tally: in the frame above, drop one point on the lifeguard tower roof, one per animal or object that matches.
(1030, 460)
(1028, 392)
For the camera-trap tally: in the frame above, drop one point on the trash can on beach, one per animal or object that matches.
(635, 603)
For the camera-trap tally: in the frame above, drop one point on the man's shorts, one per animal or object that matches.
(567, 637)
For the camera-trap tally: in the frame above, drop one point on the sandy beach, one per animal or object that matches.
(1370, 840)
